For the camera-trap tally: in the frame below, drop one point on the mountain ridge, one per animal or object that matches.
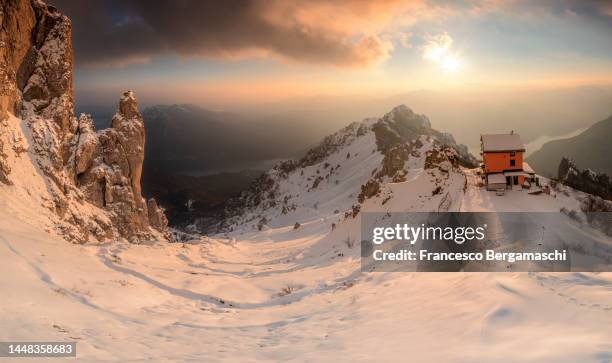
(356, 162)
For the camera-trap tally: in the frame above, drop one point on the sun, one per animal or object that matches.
(439, 50)
(451, 63)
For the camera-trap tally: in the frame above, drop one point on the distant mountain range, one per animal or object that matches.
(591, 149)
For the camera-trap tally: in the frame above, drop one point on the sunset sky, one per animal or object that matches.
(220, 53)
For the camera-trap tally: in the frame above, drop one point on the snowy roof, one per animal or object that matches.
(502, 142)
(496, 179)
(527, 168)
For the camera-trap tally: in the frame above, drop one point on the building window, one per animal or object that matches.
(512, 162)
(513, 153)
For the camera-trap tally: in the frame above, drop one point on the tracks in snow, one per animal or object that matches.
(337, 284)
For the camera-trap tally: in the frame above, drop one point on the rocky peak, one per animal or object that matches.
(130, 128)
(128, 108)
(404, 116)
(402, 125)
(111, 180)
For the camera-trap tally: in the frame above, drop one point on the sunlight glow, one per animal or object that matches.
(435, 53)
(438, 49)
(450, 63)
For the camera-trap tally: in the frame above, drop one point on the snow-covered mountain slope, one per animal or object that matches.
(395, 163)
(287, 294)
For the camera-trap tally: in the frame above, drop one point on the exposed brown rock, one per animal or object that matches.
(157, 218)
(17, 21)
(442, 157)
(368, 190)
(395, 158)
(355, 210)
(130, 126)
(316, 182)
(36, 62)
(87, 147)
(109, 167)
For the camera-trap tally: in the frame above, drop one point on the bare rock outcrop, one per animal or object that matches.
(368, 190)
(18, 23)
(402, 125)
(109, 167)
(157, 217)
(588, 181)
(394, 161)
(87, 145)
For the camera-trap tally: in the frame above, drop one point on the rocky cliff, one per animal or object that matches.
(92, 178)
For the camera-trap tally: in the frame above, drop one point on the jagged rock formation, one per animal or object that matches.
(157, 217)
(77, 164)
(108, 167)
(588, 181)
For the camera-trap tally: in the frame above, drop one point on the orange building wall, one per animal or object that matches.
(498, 162)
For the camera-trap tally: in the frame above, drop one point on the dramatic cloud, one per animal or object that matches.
(347, 33)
